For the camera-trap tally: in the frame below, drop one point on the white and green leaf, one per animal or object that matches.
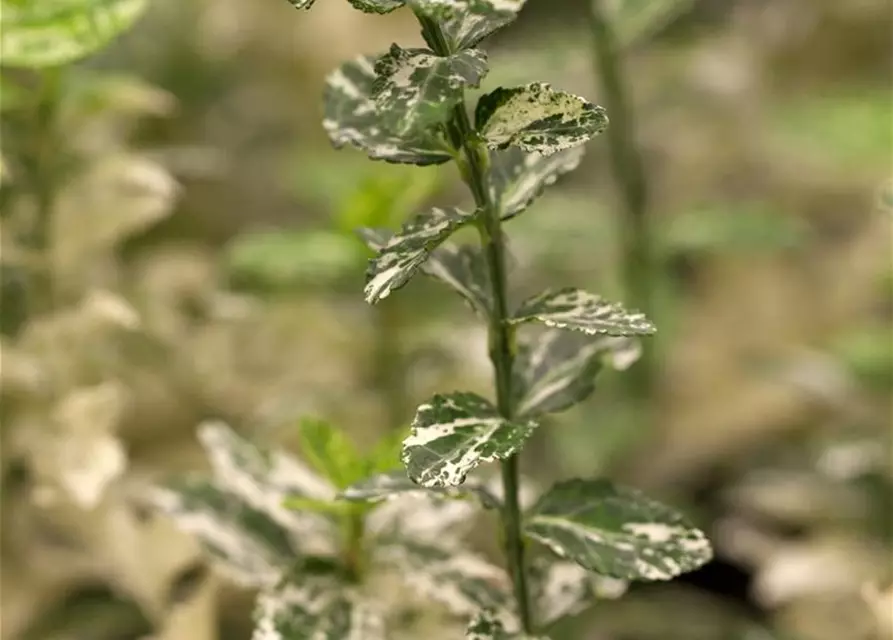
(48, 33)
(377, 6)
(517, 178)
(462, 268)
(416, 89)
(406, 252)
(453, 434)
(489, 625)
(265, 479)
(301, 4)
(556, 369)
(461, 581)
(466, 22)
(248, 545)
(351, 118)
(579, 310)
(559, 589)
(315, 609)
(422, 517)
(396, 484)
(616, 531)
(536, 117)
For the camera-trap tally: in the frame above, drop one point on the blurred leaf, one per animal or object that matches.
(517, 178)
(54, 32)
(377, 6)
(559, 589)
(466, 22)
(315, 609)
(301, 4)
(453, 434)
(286, 260)
(461, 581)
(253, 549)
(330, 452)
(416, 90)
(385, 455)
(407, 251)
(462, 268)
(387, 486)
(486, 625)
(265, 478)
(579, 310)
(422, 517)
(537, 118)
(387, 200)
(616, 531)
(351, 118)
(868, 353)
(557, 369)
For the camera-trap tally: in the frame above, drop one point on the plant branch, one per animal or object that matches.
(500, 333)
(629, 176)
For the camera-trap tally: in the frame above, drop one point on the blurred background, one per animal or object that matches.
(197, 261)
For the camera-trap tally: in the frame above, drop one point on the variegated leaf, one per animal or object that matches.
(557, 369)
(537, 118)
(453, 434)
(559, 589)
(487, 625)
(517, 178)
(616, 531)
(377, 6)
(461, 581)
(315, 609)
(301, 4)
(466, 22)
(416, 89)
(460, 267)
(422, 517)
(396, 484)
(250, 547)
(50, 33)
(265, 479)
(407, 251)
(351, 118)
(579, 310)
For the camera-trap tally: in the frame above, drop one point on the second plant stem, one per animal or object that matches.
(474, 167)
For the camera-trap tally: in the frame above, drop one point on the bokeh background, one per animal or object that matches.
(202, 266)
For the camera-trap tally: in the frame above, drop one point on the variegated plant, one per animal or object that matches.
(408, 106)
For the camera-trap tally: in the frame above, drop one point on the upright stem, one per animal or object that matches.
(500, 334)
(389, 368)
(629, 175)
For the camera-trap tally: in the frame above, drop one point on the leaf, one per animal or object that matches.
(315, 609)
(460, 267)
(557, 370)
(388, 486)
(55, 32)
(518, 178)
(264, 479)
(579, 310)
(559, 589)
(422, 517)
(616, 531)
(330, 452)
(377, 6)
(466, 22)
(407, 251)
(351, 118)
(453, 434)
(416, 89)
(253, 549)
(537, 118)
(488, 626)
(461, 581)
(301, 4)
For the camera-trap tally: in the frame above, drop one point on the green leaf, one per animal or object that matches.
(537, 118)
(377, 6)
(487, 625)
(315, 609)
(461, 581)
(557, 369)
(330, 452)
(252, 548)
(453, 434)
(518, 178)
(416, 89)
(385, 455)
(579, 310)
(351, 118)
(466, 22)
(54, 32)
(396, 484)
(616, 531)
(407, 251)
(462, 268)
(265, 478)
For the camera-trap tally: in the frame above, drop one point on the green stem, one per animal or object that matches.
(354, 526)
(629, 175)
(501, 336)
